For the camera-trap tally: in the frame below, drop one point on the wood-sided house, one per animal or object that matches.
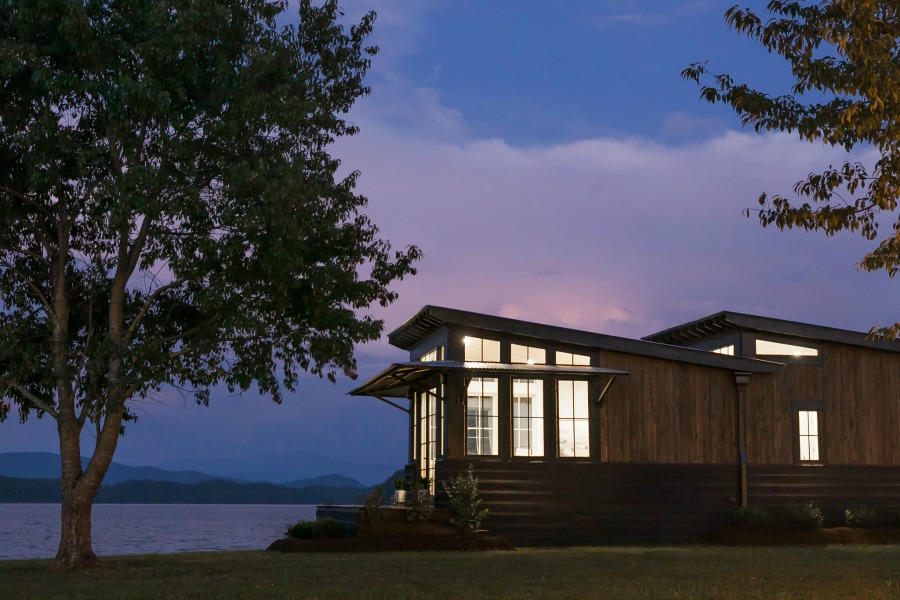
(581, 437)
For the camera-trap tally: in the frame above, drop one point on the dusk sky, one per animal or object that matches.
(553, 166)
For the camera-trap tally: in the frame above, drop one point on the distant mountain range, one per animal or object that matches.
(34, 477)
(46, 465)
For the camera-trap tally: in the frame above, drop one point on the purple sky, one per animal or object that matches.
(554, 167)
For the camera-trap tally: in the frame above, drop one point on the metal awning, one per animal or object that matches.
(400, 378)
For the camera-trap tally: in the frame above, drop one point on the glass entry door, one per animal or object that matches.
(427, 434)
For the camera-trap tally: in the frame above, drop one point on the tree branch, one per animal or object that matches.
(31, 397)
(33, 287)
(27, 253)
(148, 303)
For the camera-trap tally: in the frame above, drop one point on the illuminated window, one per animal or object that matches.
(808, 421)
(729, 350)
(577, 360)
(482, 416)
(527, 355)
(767, 348)
(572, 415)
(433, 355)
(427, 414)
(528, 417)
(480, 350)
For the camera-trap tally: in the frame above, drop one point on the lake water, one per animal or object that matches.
(32, 530)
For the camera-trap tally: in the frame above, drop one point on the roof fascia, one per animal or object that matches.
(757, 324)
(436, 314)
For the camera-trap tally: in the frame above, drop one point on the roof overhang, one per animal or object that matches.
(398, 380)
(727, 322)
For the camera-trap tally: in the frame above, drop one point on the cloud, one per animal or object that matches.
(642, 14)
(632, 19)
(637, 235)
(684, 125)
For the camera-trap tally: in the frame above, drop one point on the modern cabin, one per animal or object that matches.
(581, 438)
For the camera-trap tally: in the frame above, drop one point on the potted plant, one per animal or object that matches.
(400, 488)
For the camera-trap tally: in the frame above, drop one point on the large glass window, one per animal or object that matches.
(482, 416)
(427, 413)
(572, 415)
(809, 435)
(527, 355)
(528, 417)
(767, 348)
(576, 360)
(481, 350)
(433, 355)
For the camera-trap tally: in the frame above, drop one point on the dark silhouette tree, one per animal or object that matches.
(845, 58)
(170, 213)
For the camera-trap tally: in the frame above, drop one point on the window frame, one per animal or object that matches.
(819, 359)
(480, 428)
(586, 420)
(529, 360)
(817, 407)
(556, 357)
(536, 401)
(470, 341)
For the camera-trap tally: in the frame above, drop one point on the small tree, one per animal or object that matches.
(843, 54)
(462, 491)
(170, 214)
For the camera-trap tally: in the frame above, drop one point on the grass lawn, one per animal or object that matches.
(870, 572)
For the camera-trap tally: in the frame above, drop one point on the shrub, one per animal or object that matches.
(302, 530)
(860, 516)
(462, 491)
(749, 517)
(806, 517)
(372, 509)
(401, 485)
(419, 504)
(324, 528)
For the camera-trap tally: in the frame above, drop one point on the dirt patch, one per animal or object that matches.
(736, 536)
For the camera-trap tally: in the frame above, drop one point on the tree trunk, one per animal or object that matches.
(75, 538)
(79, 488)
(77, 499)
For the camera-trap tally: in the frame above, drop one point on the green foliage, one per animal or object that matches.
(302, 530)
(860, 516)
(170, 212)
(750, 517)
(806, 517)
(371, 511)
(401, 485)
(462, 491)
(419, 502)
(325, 528)
(842, 54)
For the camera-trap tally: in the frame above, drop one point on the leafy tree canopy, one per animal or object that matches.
(845, 58)
(170, 213)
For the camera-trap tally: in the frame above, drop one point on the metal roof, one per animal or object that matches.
(726, 322)
(396, 380)
(431, 318)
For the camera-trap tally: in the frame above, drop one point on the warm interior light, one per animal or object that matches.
(466, 340)
(530, 361)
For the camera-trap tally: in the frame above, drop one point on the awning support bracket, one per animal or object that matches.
(606, 388)
(394, 404)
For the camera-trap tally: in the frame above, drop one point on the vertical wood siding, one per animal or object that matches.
(859, 389)
(668, 412)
